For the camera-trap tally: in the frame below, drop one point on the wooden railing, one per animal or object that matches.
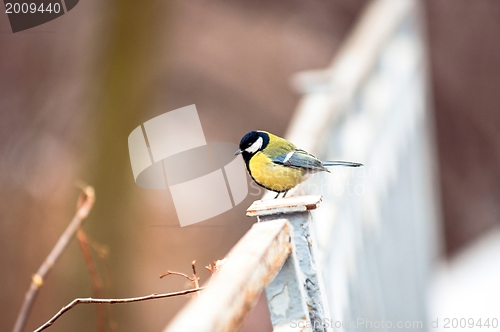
(277, 255)
(233, 290)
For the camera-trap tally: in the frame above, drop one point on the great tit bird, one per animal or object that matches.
(276, 164)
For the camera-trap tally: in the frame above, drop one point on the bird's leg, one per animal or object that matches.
(285, 194)
(277, 195)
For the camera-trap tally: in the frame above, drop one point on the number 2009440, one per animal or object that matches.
(25, 8)
(469, 323)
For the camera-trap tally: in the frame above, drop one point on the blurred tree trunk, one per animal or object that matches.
(127, 74)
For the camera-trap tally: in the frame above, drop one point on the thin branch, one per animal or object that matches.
(102, 252)
(84, 205)
(217, 265)
(178, 274)
(95, 279)
(195, 277)
(112, 301)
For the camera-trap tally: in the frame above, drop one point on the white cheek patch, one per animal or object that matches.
(255, 146)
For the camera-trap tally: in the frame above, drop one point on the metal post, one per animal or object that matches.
(298, 282)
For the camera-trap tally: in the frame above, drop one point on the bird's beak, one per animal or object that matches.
(238, 152)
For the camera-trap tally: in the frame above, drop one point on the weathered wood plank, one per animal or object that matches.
(250, 266)
(283, 205)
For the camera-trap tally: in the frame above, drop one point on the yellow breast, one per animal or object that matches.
(272, 176)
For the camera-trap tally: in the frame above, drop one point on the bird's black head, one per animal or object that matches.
(252, 142)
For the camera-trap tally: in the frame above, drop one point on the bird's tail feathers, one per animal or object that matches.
(341, 163)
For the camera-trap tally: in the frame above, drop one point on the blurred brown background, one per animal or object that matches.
(73, 89)
(464, 40)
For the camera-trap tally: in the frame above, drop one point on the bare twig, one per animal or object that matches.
(96, 280)
(195, 277)
(84, 205)
(102, 252)
(176, 273)
(211, 269)
(112, 301)
(217, 265)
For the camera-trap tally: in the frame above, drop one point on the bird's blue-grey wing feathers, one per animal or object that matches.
(300, 159)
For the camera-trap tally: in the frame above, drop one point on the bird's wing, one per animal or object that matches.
(300, 159)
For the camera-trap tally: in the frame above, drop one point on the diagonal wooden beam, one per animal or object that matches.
(250, 266)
